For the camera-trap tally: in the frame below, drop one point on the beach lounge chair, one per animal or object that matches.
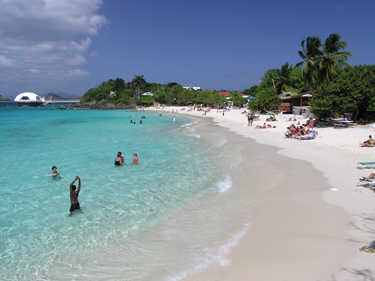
(369, 183)
(363, 165)
(309, 136)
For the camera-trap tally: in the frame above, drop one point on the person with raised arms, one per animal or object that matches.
(74, 196)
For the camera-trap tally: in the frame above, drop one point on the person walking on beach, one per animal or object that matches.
(74, 196)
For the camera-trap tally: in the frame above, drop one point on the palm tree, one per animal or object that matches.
(310, 55)
(333, 58)
(285, 78)
(137, 82)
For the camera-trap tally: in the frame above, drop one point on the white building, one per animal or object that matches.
(192, 88)
(28, 99)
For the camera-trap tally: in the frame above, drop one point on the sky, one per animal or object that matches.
(73, 45)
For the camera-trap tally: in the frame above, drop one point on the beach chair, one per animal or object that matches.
(309, 136)
(369, 183)
(362, 165)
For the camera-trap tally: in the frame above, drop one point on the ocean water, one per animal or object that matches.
(173, 214)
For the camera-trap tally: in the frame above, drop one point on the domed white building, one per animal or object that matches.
(29, 99)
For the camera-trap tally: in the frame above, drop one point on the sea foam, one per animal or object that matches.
(225, 184)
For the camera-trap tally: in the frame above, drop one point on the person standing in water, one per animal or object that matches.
(74, 196)
(135, 158)
(174, 119)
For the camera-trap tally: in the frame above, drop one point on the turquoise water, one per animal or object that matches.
(138, 222)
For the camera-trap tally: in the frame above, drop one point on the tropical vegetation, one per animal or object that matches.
(324, 71)
(118, 92)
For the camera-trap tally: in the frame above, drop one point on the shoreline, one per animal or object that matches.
(266, 252)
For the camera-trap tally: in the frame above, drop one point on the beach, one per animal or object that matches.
(310, 226)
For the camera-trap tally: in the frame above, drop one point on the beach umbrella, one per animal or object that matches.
(270, 113)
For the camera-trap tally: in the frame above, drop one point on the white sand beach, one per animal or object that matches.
(304, 231)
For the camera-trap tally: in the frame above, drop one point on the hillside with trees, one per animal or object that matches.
(119, 92)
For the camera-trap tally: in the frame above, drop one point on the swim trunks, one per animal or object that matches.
(74, 207)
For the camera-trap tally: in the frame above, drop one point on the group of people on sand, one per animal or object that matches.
(264, 126)
(120, 159)
(302, 130)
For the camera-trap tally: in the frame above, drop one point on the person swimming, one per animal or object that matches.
(135, 158)
(54, 172)
(119, 160)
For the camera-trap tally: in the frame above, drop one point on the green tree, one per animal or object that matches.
(320, 66)
(145, 100)
(237, 99)
(285, 79)
(137, 83)
(333, 58)
(170, 85)
(251, 91)
(310, 55)
(119, 84)
(175, 90)
(266, 98)
(352, 91)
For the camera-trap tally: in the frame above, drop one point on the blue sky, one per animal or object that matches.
(71, 46)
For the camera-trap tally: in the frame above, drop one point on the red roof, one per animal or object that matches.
(226, 94)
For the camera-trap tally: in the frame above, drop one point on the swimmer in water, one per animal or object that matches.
(174, 119)
(135, 158)
(119, 160)
(54, 172)
(74, 196)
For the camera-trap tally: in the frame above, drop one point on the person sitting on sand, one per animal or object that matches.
(288, 133)
(135, 158)
(367, 143)
(370, 177)
(54, 172)
(119, 160)
(261, 127)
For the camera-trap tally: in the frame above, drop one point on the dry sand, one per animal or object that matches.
(308, 231)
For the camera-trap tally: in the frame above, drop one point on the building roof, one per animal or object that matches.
(28, 97)
(148, 94)
(227, 94)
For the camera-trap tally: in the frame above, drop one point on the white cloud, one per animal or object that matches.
(4, 61)
(78, 73)
(47, 38)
